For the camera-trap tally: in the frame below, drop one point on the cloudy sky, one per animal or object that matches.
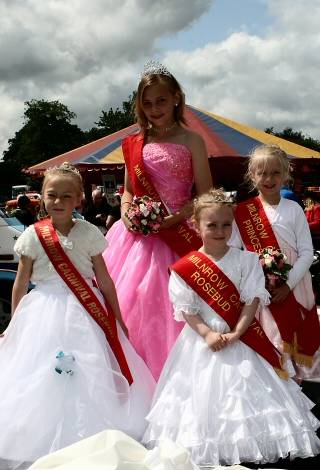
(252, 61)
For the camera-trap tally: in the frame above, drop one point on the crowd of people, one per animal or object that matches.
(98, 211)
(210, 356)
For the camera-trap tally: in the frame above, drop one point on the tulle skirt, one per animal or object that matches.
(139, 266)
(229, 406)
(47, 402)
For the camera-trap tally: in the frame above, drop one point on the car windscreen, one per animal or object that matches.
(13, 222)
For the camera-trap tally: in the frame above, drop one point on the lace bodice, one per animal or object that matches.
(169, 166)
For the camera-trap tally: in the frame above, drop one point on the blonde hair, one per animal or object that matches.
(64, 170)
(260, 156)
(216, 197)
(173, 86)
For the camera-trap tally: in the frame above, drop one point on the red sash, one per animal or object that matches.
(79, 287)
(299, 328)
(180, 237)
(219, 292)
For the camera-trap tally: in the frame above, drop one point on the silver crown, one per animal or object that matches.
(153, 67)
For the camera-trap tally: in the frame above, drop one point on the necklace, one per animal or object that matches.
(162, 130)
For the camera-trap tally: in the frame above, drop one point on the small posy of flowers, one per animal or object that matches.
(275, 267)
(145, 215)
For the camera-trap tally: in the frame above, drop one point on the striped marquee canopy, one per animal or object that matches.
(226, 141)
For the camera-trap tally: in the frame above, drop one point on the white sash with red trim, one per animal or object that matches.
(82, 291)
(219, 292)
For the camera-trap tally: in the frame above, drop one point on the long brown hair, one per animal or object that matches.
(174, 88)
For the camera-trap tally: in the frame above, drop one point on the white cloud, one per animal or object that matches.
(261, 81)
(88, 55)
(85, 54)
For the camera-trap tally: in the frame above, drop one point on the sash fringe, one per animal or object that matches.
(293, 350)
(288, 348)
(283, 374)
(303, 359)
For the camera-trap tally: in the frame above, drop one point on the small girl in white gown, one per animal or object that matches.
(216, 396)
(60, 381)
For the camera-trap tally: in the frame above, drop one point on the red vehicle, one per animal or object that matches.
(34, 197)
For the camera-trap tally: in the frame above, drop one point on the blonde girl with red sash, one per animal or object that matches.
(68, 370)
(223, 394)
(291, 321)
(167, 162)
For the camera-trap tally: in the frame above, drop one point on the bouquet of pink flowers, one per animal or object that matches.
(145, 215)
(275, 267)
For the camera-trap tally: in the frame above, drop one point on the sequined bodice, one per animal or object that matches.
(169, 166)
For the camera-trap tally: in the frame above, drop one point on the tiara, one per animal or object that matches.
(153, 67)
(223, 198)
(65, 166)
(216, 196)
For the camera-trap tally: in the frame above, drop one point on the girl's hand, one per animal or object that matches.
(215, 340)
(279, 294)
(231, 337)
(184, 213)
(187, 210)
(127, 223)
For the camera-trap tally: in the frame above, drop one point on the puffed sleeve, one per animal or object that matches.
(184, 299)
(252, 283)
(304, 248)
(235, 239)
(28, 244)
(96, 241)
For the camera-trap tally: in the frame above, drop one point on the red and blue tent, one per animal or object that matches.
(228, 144)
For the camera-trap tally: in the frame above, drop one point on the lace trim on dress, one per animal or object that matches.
(248, 296)
(179, 310)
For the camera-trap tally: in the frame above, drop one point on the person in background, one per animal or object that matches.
(116, 208)
(287, 192)
(312, 212)
(24, 211)
(98, 210)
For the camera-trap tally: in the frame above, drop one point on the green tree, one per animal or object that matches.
(113, 120)
(296, 136)
(47, 131)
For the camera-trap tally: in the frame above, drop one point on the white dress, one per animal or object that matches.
(42, 410)
(229, 406)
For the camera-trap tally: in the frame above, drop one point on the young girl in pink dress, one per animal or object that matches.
(291, 322)
(172, 165)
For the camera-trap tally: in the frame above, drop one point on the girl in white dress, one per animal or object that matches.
(268, 171)
(60, 380)
(217, 396)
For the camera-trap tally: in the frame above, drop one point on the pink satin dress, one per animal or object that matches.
(139, 264)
